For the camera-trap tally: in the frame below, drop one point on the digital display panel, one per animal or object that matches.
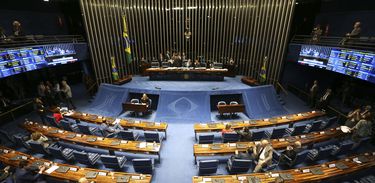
(354, 63)
(18, 60)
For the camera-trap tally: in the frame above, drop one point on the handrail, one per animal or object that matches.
(14, 109)
(29, 40)
(364, 43)
(281, 87)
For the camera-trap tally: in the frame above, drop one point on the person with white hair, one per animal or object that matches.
(263, 153)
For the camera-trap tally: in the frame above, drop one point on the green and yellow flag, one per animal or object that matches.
(263, 71)
(128, 52)
(114, 69)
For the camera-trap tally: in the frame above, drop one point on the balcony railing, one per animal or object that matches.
(362, 43)
(30, 40)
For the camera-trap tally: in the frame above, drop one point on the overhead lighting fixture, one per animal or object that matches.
(46, 0)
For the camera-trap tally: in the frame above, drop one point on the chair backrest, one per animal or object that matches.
(152, 137)
(20, 140)
(233, 103)
(221, 103)
(239, 166)
(110, 161)
(134, 101)
(82, 157)
(218, 65)
(83, 128)
(324, 152)
(330, 121)
(345, 147)
(208, 166)
(165, 64)
(298, 130)
(278, 133)
(126, 135)
(258, 135)
(155, 65)
(143, 165)
(231, 137)
(206, 139)
(6, 136)
(66, 125)
(300, 157)
(38, 147)
(316, 126)
(56, 152)
(51, 120)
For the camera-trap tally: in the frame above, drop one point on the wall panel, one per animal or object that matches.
(245, 30)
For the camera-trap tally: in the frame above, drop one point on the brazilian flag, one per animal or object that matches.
(128, 53)
(114, 69)
(263, 71)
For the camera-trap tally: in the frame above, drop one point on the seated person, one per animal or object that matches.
(145, 100)
(227, 129)
(362, 129)
(353, 117)
(57, 115)
(243, 155)
(4, 173)
(40, 138)
(289, 155)
(23, 174)
(263, 154)
(110, 130)
(245, 134)
(197, 63)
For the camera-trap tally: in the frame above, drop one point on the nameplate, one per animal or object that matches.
(212, 125)
(251, 179)
(215, 147)
(122, 179)
(53, 131)
(241, 146)
(91, 175)
(150, 124)
(341, 166)
(91, 139)
(93, 117)
(70, 136)
(115, 143)
(286, 176)
(218, 180)
(62, 169)
(317, 171)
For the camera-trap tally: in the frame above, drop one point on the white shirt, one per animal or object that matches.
(262, 155)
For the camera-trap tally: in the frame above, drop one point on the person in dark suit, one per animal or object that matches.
(40, 109)
(325, 99)
(290, 154)
(245, 134)
(313, 93)
(23, 174)
(362, 129)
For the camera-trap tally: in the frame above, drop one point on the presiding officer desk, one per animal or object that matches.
(185, 73)
(141, 125)
(112, 144)
(314, 173)
(230, 148)
(69, 172)
(280, 120)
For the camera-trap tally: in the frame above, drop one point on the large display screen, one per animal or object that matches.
(355, 63)
(18, 60)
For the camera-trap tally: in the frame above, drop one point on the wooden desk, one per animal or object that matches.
(250, 81)
(124, 80)
(346, 166)
(141, 125)
(6, 155)
(230, 108)
(112, 144)
(183, 73)
(134, 107)
(259, 123)
(230, 148)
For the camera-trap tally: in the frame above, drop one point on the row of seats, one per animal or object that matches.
(91, 130)
(165, 64)
(280, 132)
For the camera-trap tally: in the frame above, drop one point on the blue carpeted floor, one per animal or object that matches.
(177, 161)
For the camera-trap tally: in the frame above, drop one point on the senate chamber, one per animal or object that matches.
(179, 91)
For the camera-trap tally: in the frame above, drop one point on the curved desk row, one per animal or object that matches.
(280, 120)
(111, 144)
(304, 174)
(70, 172)
(230, 148)
(141, 125)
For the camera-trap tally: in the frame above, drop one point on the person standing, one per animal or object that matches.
(263, 153)
(65, 88)
(313, 93)
(40, 110)
(325, 99)
(42, 90)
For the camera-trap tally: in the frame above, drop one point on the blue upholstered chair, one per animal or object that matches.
(113, 162)
(52, 121)
(315, 126)
(300, 158)
(145, 166)
(237, 166)
(128, 135)
(299, 129)
(344, 147)
(206, 139)
(60, 152)
(21, 139)
(153, 137)
(86, 158)
(207, 166)
(155, 65)
(320, 153)
(260, 134)
(280, 132)
(230, 137)
(329, 122)
(83, 128)
(68, 126)
(38, 147)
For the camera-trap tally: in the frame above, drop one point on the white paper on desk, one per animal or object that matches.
(303, 136)
(306, 170)
(60, 131)
(232, 145)
(136, 177)
(203, 124)
(68, 114)
(124, 141)
(102, 173)
(274, 175)
(150, 144)
(24, 157)
(246, 122)
(100, 138)
(282, 140)
(241, 178)
(332, 165)
(52, 169)
(117, 121)
(321, 133)
(136, 122)
(157, 124)
(6, 151)
(204, 145)
(206, 179)
(142, 145)
(73, 169)
(44, 127)
(257, 142)
(345, 129)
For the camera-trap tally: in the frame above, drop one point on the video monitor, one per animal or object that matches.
(314, 56)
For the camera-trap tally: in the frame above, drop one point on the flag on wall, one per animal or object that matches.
(128, 53)
(263, 71)
(114, 69)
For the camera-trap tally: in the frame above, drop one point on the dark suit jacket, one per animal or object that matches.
(22, 175)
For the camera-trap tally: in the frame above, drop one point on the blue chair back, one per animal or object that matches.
(231, 137)
(208, 166)
(258, 135)
(239, 166)
(113, 162)
(152, 137)
(316, 126)
(38, 147)
(206, 139)
(126, 135)
(20, 140)
(56, 152)
(66, 125)
(85, 158)
(324, 152)
(345, 147)
(51, 120)
(278, 133)
(300, 158)
(143, 166)
(83, 128)
(330, 121)
(298, 130)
